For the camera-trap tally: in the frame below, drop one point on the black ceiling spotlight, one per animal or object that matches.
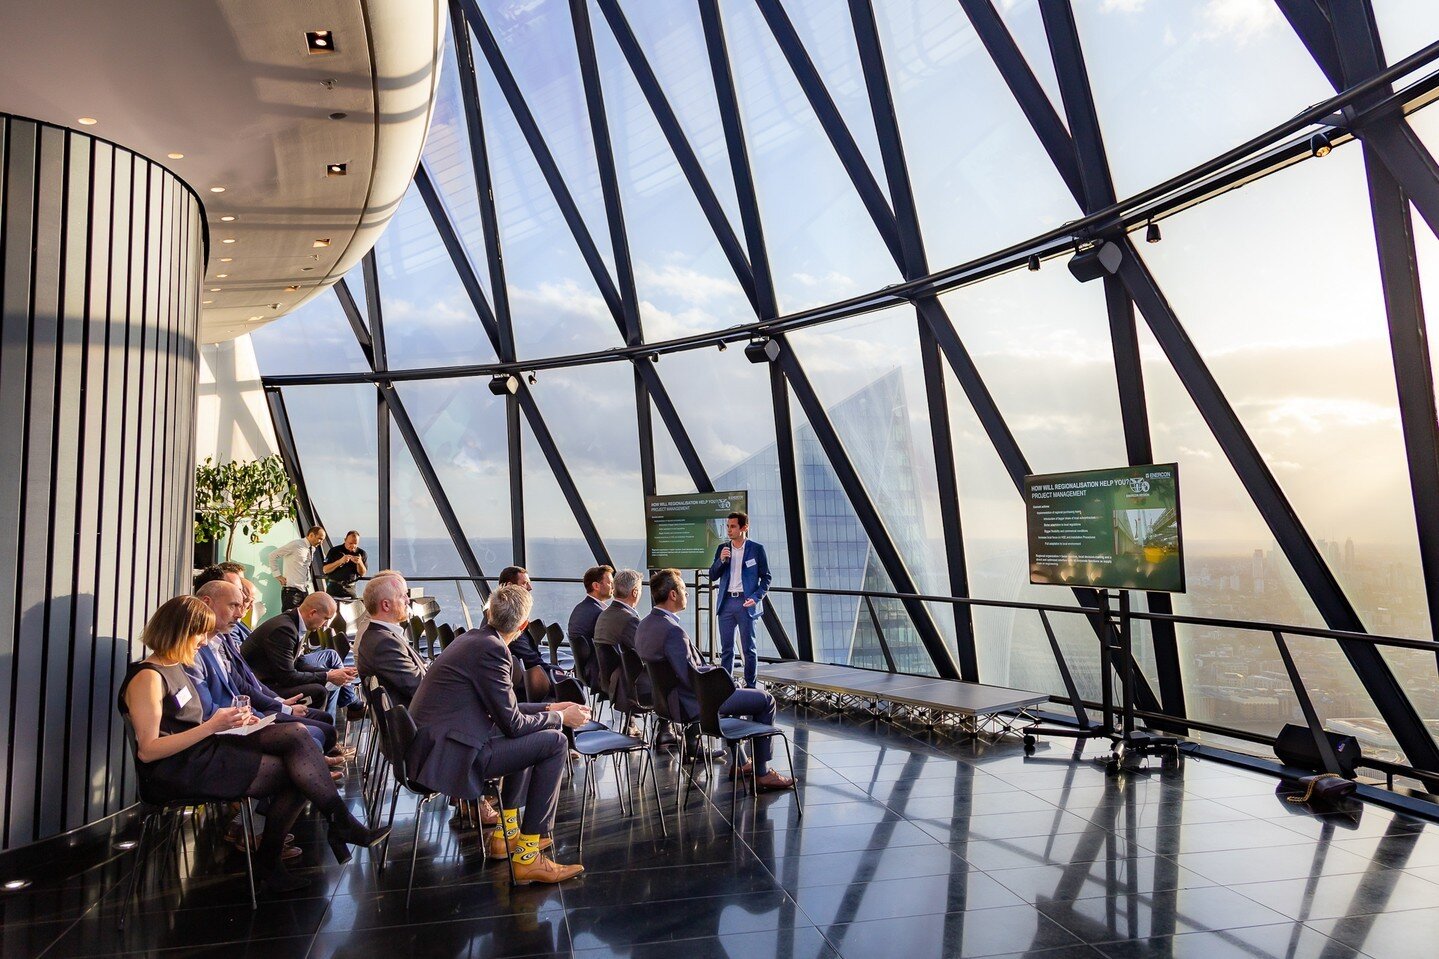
(1033, 263)
(319, 41)
(762, 350)
(504, 384)
(533, 378)
(1101, 258)
(1319, 145)
(654, 357)
(1151, 233)
(723, 346)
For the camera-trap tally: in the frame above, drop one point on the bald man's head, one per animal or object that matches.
(225, 601)
(316, 610)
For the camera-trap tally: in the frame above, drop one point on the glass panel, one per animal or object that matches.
(1020, 323)
(334, 430)
(1405, 27)
(1012, 645)
(1314, 385)
(462, 426)
(314, 338)
(554, 303)
(822, 244)
(673, 42)
(724, 401)
(428, 317)
(981, 179)
(420, 544)
(1178, 83)
(537, 39)
(1026, 27)
(685, 282)
(447, 158)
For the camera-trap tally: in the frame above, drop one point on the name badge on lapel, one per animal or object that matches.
(750, 562)
(183, 697)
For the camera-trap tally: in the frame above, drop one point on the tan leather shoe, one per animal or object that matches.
(488, 815)
(774, 781)
(497, 848)
(541, 869)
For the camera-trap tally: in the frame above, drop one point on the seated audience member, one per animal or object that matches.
(384, 650)
(222, 667)
(471, 729)
(275, 652)
(620, 619)
(661, 637)
(229, 572)
(546, 681)
(178, 755)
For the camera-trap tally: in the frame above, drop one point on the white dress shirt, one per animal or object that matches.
(736, 568)
(292, 561)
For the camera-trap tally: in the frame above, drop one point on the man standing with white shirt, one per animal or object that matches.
(741, 573)
(291, 566)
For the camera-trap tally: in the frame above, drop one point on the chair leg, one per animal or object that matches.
(385, 846)
(789, 756)
(585, 802)
(141, 852)
(733, 779)
(415, 848)
(655, 782)
(247, 820)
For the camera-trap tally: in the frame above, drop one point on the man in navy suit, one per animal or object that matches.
(741, 573)
(661, 637)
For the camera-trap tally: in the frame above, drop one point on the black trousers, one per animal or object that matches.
(532, 766)
(291, 597)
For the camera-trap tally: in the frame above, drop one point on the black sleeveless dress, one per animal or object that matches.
(214, 768)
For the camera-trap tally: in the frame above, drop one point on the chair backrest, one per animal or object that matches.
(664, 682)
(379, 702)
(585, 666)
(536, 629)
(611, 669)
(634, 669)
(711, 687)
(416, 628)
(400, 732)
(447, 635)
(556, 638)
(314, 639)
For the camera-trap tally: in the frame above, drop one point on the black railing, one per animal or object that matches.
(1098, 615)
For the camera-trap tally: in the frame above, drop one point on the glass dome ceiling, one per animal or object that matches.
(613, 191)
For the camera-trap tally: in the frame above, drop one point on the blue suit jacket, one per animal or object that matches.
(658, 638)
(754, 575)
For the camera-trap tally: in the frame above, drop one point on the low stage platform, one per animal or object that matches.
(970, 707)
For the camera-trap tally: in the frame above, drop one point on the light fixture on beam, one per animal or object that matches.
(762, 350)
(1320, 146)
(1093, 263)
(1151, 233)
(1033, 263)
(504, 384)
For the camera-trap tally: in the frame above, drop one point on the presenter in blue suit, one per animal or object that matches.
(741, 574)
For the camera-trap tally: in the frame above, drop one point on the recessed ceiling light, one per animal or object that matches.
(89, 121)
(15, 885)
(228, 239)
(338, 116)
(228, 219)
(336, 169)
(206, 302)
(176, 156)
(227, 259)
(254, 318)
(319, 41)
(306, 269)
(318, 244)
(215, 289)
(222, 276)
(292, 289)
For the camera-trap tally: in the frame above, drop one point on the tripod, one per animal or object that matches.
(1128, 745)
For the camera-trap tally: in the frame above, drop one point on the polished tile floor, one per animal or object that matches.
(912, 845)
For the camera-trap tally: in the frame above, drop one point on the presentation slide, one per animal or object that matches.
(683, 530)
(1113, 528)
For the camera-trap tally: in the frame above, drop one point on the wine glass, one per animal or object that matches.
(242, 703)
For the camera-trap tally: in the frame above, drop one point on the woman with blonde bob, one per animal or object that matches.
(179, 756)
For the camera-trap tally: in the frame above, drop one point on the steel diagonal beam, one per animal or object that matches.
(867, 513)
(833, 123)
(541, 431)
(916, 264)
(1097, 188)
(766, 307)
(685, 156)
(357, 322)
(290, 454)
(494, 263)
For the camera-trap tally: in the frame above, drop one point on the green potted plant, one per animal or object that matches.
(245, 497)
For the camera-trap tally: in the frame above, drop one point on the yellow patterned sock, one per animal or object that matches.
(510, 819)
(528, 848)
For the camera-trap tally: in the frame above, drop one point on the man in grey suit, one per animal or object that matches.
(617, 623)
(661, 637)
(469, 729)
(384, 651)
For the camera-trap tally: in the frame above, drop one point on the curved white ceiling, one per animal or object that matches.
(232, 86)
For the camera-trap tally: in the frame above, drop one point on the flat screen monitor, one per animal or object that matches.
(1112, 528)
(682, 531)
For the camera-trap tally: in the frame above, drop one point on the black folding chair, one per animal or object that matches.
(663, 682)
(712, 687)
(605, 742)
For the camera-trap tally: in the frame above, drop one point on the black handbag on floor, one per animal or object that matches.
(1322, 792)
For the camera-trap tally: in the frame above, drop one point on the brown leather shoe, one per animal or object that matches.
(488, 815)
(774, 781)
(335, 762)
(743, 771)
(541, 869)
(497, 848)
